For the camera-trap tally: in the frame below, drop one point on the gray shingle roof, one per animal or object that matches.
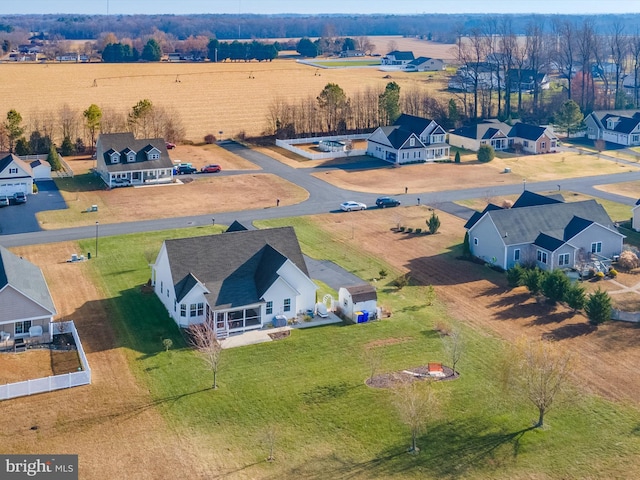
(412, 123)
(530, 199)
(362, 293)
(236, 267)
(524, 224)
(26, 278)
(124, 142)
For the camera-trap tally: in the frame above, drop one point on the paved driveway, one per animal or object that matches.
(22, 218)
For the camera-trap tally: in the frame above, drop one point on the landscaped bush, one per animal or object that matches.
(401, 229)
(628, 260)
(418, 230)
(613, 273)
(210, 139)
(401, 281)
(599, 275)
(409, 230)
(486, 153)
(514, 275)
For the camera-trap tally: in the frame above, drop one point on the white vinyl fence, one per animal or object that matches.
(291, 146)
(625, 316)
(56, 382)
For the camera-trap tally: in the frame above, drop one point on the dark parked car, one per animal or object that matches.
(186, 170)
(384, 202)
(19, 197)
(211, 169)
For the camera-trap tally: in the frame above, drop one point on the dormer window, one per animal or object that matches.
(131, 157)
(115, 157)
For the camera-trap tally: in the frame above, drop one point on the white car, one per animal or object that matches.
(348, 206)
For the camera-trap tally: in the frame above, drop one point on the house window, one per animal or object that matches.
(475, 240)
(553, 144)
(13, 170)
(161, 288)
(543, 145)
(596, 247)
(412, 142)
(563, 259)
(542, 256)
(131, 157)
(200, 309)
(167, 293)
(23, 327)
(516, 254)
(269, 309)
(175, 305)
(525, 143)
(192, 310)
(183, 310)
(287, 305)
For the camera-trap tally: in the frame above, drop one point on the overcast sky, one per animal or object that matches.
(323, 6)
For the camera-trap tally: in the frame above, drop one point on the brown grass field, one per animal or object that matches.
(115, 417)
(207, 97)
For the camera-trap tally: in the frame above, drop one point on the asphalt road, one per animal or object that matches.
(20, 229)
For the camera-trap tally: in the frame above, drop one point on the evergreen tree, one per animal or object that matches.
(67, 147)
(433, 223)
(457, 158)
(14, 128)
(22, 147)
(307, 48)
(486, 153)
(598, 307)
(151, 51)
(574, 297)
(555, 284)
(389, 103)
(569, 118)
(54, 159)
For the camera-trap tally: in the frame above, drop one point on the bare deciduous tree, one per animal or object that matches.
(453, 345)
(539, 371)
(203, 338)
(415, 403)
(373, 358)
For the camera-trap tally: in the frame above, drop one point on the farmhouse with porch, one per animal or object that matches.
(410, 139)
(121, 160)
(26, 306)
(238, 280)
(545, 231)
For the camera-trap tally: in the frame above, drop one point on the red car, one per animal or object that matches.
(170, 145)
(210, 169)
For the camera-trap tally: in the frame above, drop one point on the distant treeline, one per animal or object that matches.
(438, 27)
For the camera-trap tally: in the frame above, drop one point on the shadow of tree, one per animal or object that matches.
(572, 330)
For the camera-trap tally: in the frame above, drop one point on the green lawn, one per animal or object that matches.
(328, 423)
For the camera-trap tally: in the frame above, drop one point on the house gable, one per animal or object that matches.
(13, 167)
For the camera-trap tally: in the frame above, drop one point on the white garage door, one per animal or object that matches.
(11, 188)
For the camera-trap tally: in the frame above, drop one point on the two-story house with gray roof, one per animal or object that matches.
(238, 280)
(410, 139)
(620, 127)
(121, 160)
(397, 58)
(545, 231)
(26, 306)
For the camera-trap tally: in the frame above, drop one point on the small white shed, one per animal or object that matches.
(41, 170)
(358, 302)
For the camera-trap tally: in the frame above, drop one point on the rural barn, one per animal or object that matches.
(358, 302)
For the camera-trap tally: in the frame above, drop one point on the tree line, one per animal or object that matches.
(333, 112)
(591, 62)
(73, 132)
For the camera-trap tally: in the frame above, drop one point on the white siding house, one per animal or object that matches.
(238, 281)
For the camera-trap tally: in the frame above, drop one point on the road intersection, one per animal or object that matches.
(323, 198)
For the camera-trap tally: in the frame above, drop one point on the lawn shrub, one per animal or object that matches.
(514, 275)
(613, 273)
